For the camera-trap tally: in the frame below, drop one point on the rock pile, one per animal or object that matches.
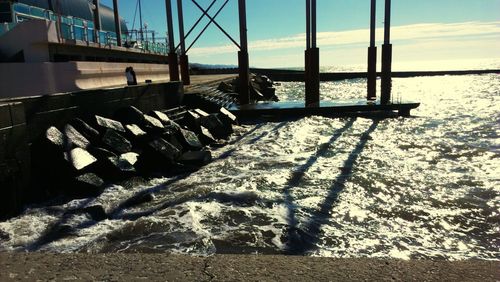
(261, 88)
(78, 159)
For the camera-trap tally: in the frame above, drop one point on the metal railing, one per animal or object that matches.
(73, 28)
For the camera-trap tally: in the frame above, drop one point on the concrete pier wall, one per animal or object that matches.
(23, 120)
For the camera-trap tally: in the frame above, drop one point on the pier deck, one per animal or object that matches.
(326, 108)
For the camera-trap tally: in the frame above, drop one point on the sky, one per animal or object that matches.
(423, 30)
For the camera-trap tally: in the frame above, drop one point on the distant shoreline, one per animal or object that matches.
(169, 267)
(298, 75)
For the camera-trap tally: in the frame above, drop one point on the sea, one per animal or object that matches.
(420, 187)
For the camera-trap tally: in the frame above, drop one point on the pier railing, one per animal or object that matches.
(73, 28)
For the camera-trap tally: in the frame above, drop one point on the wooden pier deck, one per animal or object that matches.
(326, 108)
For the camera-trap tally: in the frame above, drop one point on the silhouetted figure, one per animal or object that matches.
(131, 77)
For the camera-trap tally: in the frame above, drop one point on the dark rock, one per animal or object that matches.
(4, 236)
(226, 87)
(192, 121)
(105, 123)
(79, 158)
(86, 130)
(216, 127)
(96, 212)
(206, 137)
(135, 131)
(190, 140)
(100, 153)
(86, 185)
(130, 115)
(165, 120)
(153, 125)
(227, 116)
(173, 139)
(116, 142)
(158, 155)
(201, 113)
(138, 199)
(117, 168)
(73, 138)
(54, 139)
(197, 158)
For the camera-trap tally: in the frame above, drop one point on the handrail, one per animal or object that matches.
(73, 28)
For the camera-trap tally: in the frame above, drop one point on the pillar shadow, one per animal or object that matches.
(303, 240)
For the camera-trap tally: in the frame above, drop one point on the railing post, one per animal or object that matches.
(97, 20)
(386, 83)
(243, 61)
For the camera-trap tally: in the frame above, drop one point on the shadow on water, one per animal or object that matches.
(303, 240)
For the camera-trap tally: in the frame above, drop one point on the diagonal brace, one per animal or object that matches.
(195, 25)
(212, 20)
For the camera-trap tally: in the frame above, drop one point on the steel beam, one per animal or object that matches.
(184, 60)
(243, 61)
(118, 27)
(312, 77)
(386, 79)
(97, 15)
(173, 63)
(372, 56)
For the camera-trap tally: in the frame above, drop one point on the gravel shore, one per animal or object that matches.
(165, 267)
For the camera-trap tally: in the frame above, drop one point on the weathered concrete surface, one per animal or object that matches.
(164, 267)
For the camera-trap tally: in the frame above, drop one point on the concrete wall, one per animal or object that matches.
(14, 157)
(32, 79)
(23, 120)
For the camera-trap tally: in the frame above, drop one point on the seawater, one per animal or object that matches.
(427, 186)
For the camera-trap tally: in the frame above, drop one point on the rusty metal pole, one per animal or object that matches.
(243, 61)
(173, 63)
(386, 83)
(313, 79)
(184, 60)
(97, 20)
(372, 56)
(118, 27)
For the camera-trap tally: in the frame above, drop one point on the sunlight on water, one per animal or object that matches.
(421, 187)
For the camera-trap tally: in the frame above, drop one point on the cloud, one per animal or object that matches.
(399, 34)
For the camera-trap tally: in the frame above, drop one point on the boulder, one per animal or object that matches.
(218, 129)
(100, 153)
(189, 139)
(73, 138)
(165, 120)
(116, 142)
(103, 124)
(130, 115)
(117, 168)
(79, 159)
(158, 155)
(196, 158)
(86, 185)
(206, 137)
(192, 121)
(226, 87)
(86, 130)
(134, 131)
(53, 140)
(227, 117)
(153, 125)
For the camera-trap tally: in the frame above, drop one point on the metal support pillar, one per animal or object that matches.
(118, 27)
(97, 20)
(173, 63)
(243, 61)
(184, 60)
(312, 78)
(372, 56)
(386, 84)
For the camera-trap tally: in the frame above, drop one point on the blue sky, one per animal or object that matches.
(422, 30)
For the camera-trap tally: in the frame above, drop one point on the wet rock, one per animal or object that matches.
(226, 87)
(158, 155)
(153, 125)
(116, 142)
(97, 212)
(54, 139)
(227, 117)
(130, 115)
(138, 199)
(206, 137)
(73, 138)
(103, 124)
(173, 139)
(86, 130)
(196, 158)
(218, 129)
(86, 185)
(190, 140)
(119, 168)
(163, 118)
(79, 158)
